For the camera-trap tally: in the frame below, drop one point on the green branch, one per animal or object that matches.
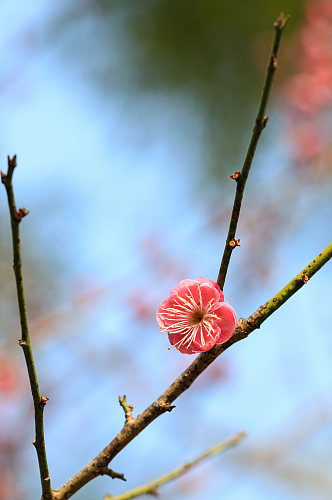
(257, 318)
(186, 379)
(38, 401)
(151, 488)
(128, 409)
(241, 177)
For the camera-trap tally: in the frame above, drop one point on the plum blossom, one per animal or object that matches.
(196, 317)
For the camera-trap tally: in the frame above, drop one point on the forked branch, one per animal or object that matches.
(185, 380)
(133, 426)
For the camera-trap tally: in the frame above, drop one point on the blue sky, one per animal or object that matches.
(102, 187)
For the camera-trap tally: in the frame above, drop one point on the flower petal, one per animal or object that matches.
(226, 321)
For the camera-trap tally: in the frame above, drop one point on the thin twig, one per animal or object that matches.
(241, 177)
(114, 475)
(151, 488)
(185, 380)
(128, 409)
(39, 401)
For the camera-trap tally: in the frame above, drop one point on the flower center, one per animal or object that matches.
(196, 317)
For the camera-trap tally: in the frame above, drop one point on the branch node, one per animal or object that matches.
(11, 165)
(304, 279)
(19, 214)
(22, 343)
(234, 243)
(235, 176)
(281, 22)
(265, 120)
(43, 401)
(164, 407)
(128, 409)
(153, 492)
(273, 62)
(111, 473)
(12, 162)
(246, 326)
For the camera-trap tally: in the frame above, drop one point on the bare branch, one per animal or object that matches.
(185, 380)
(151, 488)
(39, 401)
(241, 177)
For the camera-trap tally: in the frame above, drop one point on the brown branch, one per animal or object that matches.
(39, 401)
(241, 177)
(131, 429)
(114, 475)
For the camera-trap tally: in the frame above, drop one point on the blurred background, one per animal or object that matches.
(127, 119)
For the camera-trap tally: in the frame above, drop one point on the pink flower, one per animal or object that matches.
(196, 317)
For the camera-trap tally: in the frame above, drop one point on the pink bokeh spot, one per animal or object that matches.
(196, 317)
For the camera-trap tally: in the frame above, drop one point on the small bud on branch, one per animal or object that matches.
(128, 409)
(235, 176)
(12, 163)
(234, 243)
(43, 401)
(19, 214)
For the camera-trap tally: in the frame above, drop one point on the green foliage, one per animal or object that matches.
(206, 51)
